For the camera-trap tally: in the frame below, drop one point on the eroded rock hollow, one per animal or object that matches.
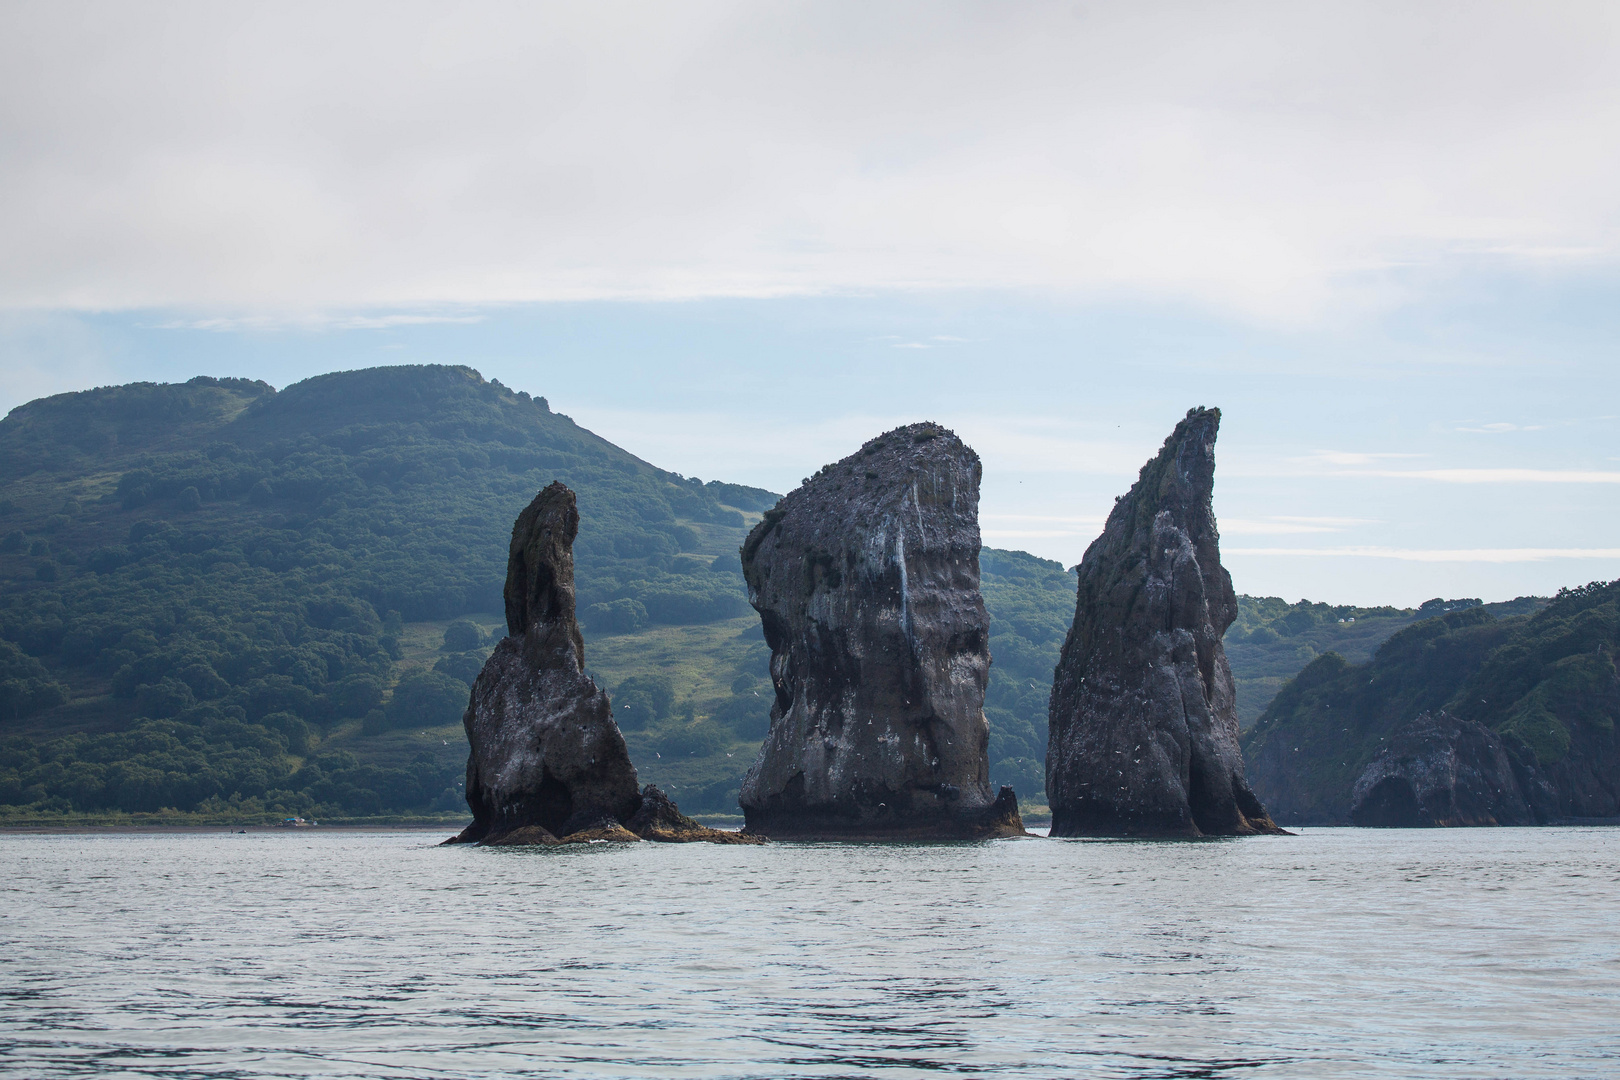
(1438, 770)
(866, 579)
(546, 754)
(1143, 727)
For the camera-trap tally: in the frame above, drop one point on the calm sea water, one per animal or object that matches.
(1445, 953)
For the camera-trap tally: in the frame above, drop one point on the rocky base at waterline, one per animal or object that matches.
(1143, 721)
(657, 818)
(866, 579)
(605, 830)
(1440, 771)
(1000, 818)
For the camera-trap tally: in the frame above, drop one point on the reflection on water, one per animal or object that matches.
(1465, 953)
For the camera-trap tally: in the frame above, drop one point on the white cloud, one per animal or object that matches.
(1332, 462)
(1351, 457)
(1027, 528)
(1454, 555)
(1284, 526)
(313, 321)
(1498, 428)
(1493, 476)
(1272, 158)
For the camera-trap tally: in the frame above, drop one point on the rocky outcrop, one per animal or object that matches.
(661, 820)
(545, 749)
(602, 830)
(1439, 771)
(526, 836)
(866, 579)
(1143, 726)
(548, 764)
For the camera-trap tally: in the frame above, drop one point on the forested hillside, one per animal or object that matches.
(205, 586)
(222, 599)
(1273, 639)
(1547, 681)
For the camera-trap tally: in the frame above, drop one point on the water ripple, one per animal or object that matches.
(1341, 953)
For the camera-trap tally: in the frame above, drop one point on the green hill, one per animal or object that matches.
(1273, 639)
(220, 599)
(216, 592)
(1546, 679)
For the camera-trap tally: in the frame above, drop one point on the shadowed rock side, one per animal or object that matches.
(545, 749)
(1143, 726)
(1440, 771)
(866, 579)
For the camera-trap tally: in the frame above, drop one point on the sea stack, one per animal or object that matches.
(546, 755)
(867, 581)
(1143, 726)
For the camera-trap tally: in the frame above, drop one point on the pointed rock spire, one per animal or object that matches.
(1143, 726)
(545, 749)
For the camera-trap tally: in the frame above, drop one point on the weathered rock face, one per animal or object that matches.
(1438, 770)
(545, 749)
(867, 581)
(1143, 727)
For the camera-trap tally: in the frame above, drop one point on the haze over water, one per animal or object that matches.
(1443, 953)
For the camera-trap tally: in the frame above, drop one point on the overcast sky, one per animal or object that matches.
(740, 238)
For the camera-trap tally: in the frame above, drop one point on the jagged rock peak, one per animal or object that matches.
(866, 579)
(540, 580)
(1438, 770)
(545, 750)
(1143, 726)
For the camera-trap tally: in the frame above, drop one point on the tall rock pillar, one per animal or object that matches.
(545, 749)
(1144, 731)
(867, 581)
